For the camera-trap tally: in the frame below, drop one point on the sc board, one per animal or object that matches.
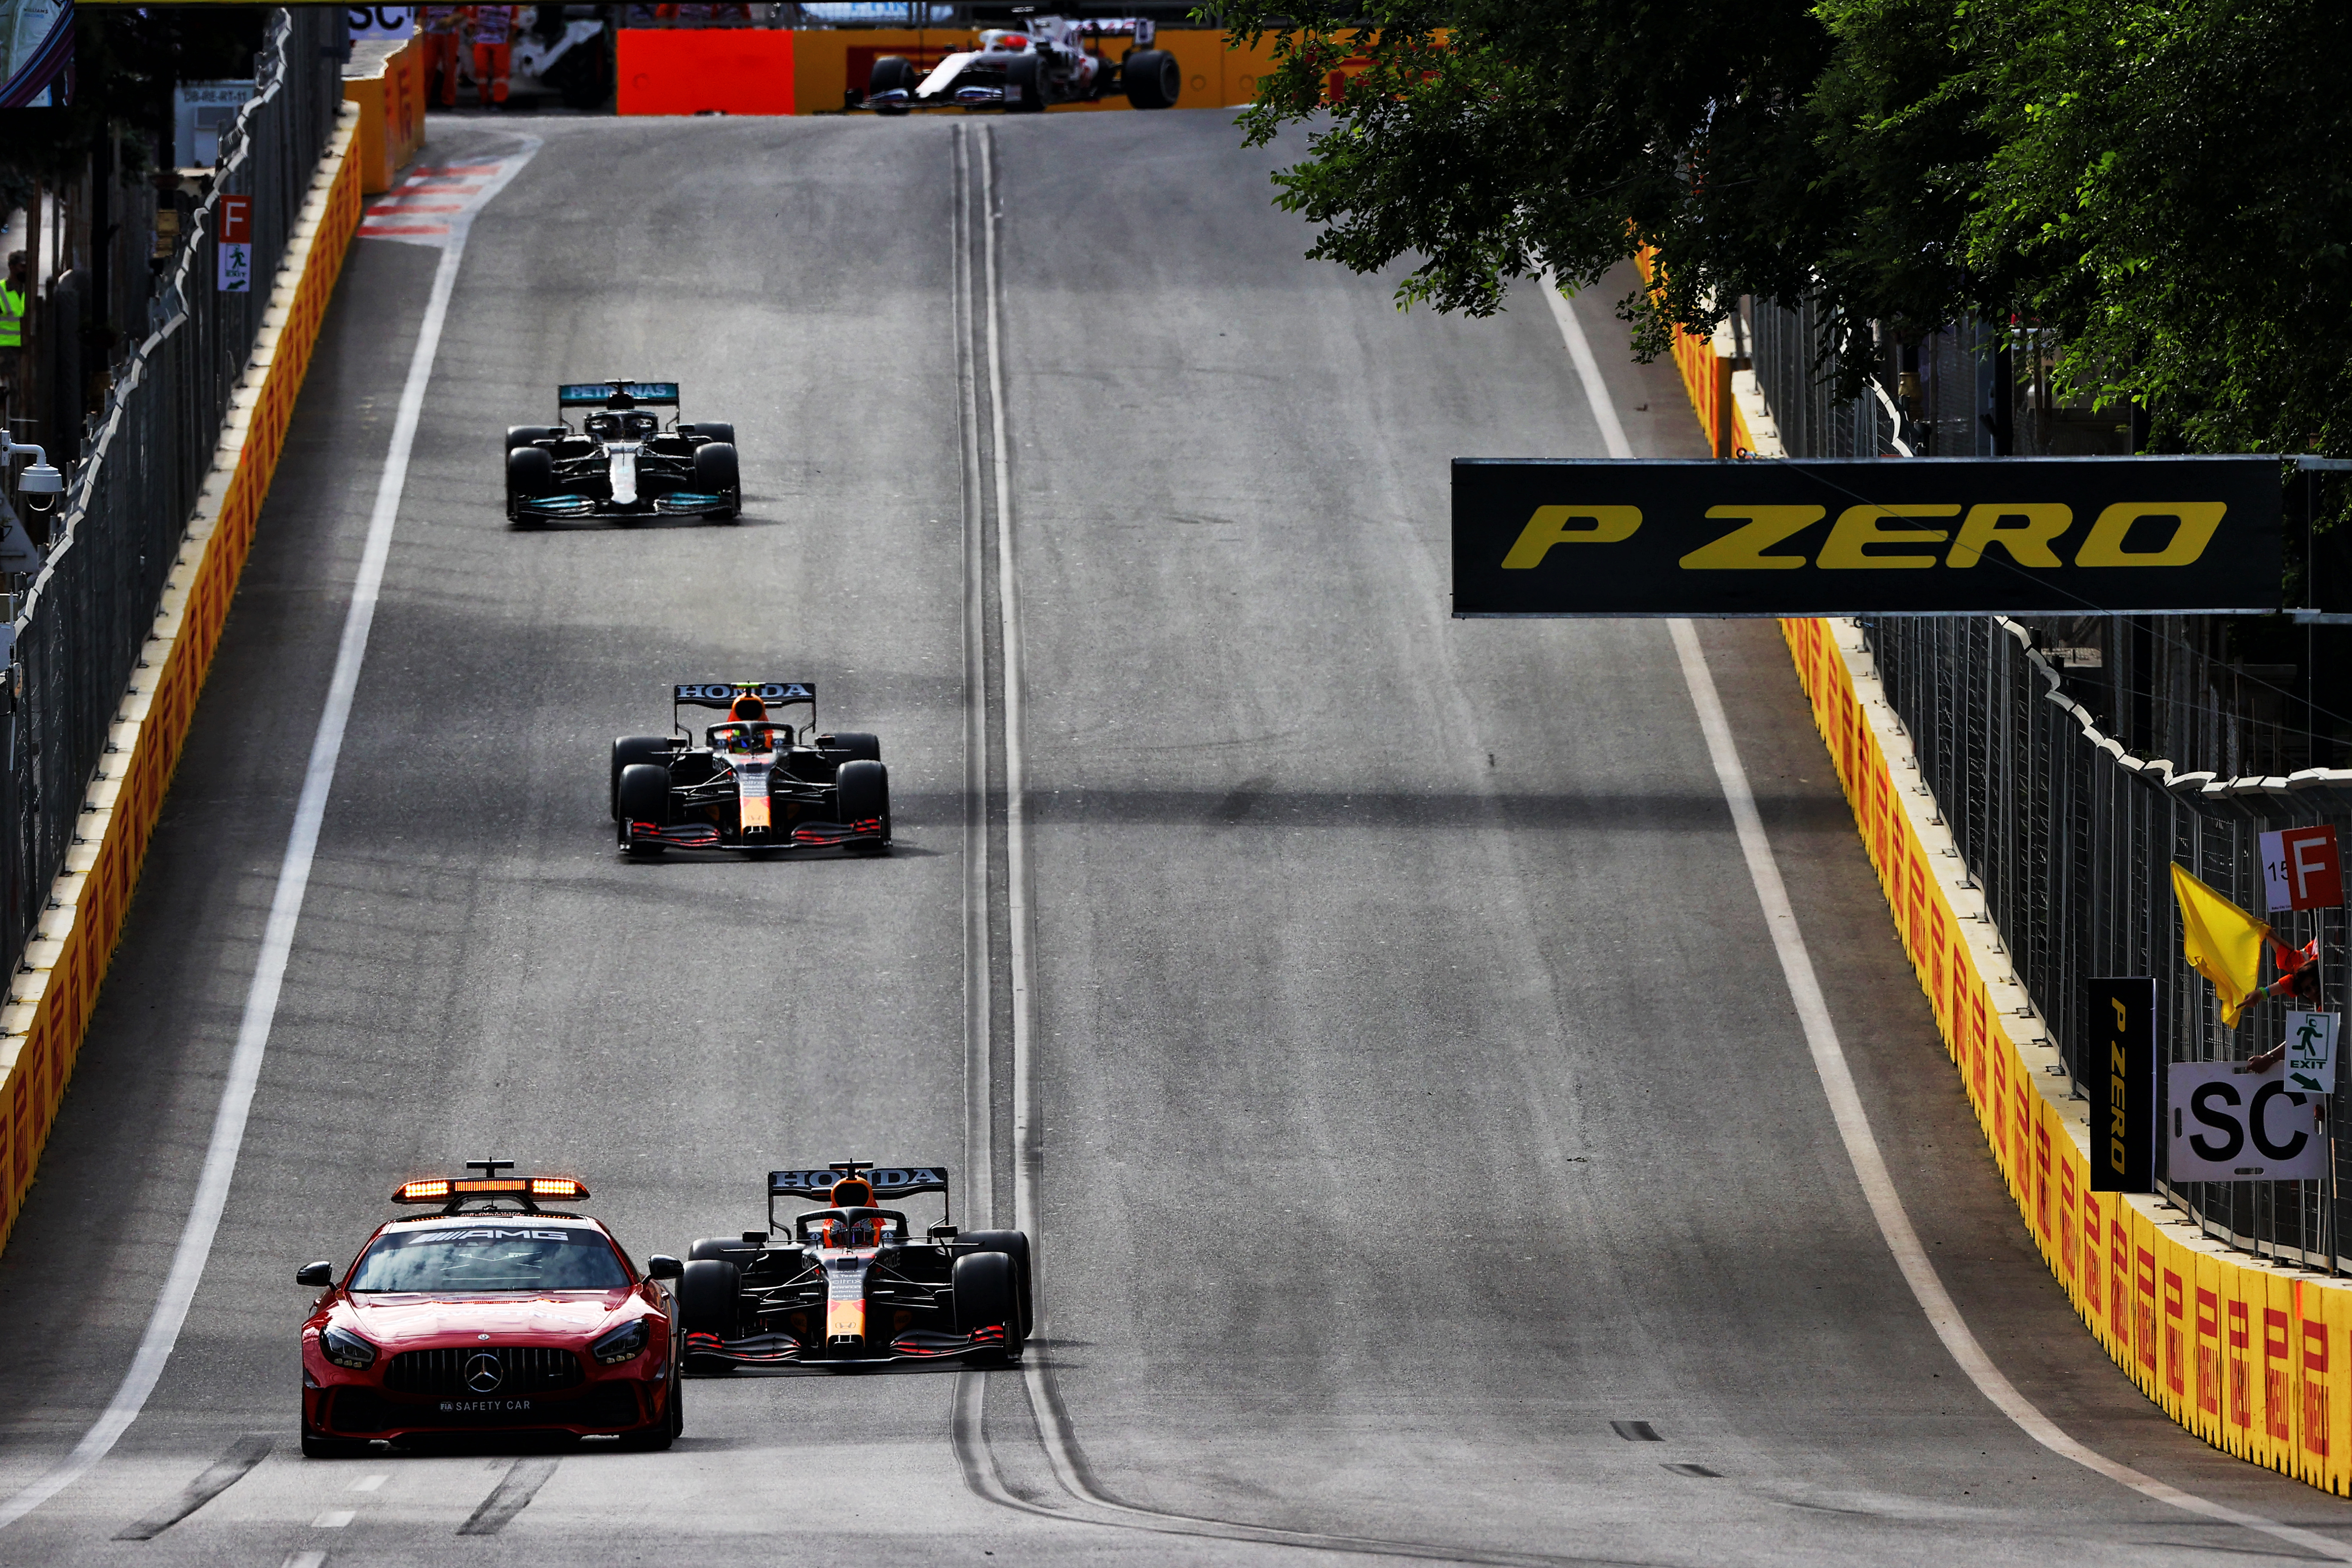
(2225, 1124)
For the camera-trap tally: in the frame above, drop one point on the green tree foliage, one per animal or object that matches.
(2168, 185)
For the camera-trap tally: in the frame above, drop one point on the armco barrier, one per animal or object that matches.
(2252, 1358)
(50, 997)
(389, 92)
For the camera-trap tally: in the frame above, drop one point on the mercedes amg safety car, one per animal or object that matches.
(623, 461)
(751, 783)
(1026, 69)
(850, 1284)
(489, 1314)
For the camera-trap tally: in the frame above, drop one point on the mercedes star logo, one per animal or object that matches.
(484, 1372)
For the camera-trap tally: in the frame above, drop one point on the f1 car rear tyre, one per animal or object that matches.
(627, 752)
(986, 1296)
(709, 1294)
(530, 471)
(1023, 91)
(1153, 78)
(892, 73)
(716, 473)
(1014, 1244)
(863, 790)
(726, 1248)
(861, 747)
(642, 795)
(709, 430)
(524, 435)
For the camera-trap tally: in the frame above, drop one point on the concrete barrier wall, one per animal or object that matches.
(2252, 1358)
(53, 992)
(391, 97)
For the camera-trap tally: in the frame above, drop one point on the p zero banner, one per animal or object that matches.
(2120, 1083)
(1896, 536)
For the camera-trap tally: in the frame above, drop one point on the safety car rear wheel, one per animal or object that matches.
(709, 1297)
(642, 795)
(1014, 1245)
(863, 792)
(892, 73)
(1024, 89)
(1153, 78)
(627, 752)
(717, 473)
(987, 1296)
(530, 471)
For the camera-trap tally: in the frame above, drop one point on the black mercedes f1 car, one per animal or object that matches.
(752, 783)
(622, 462)
(850, 1284)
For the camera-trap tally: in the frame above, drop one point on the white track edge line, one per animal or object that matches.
(1862, 1144)
(228, 1141)
(1587, 369)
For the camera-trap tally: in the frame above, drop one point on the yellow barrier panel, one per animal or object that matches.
(391, 97)
(50, 998)
(2252, 1358)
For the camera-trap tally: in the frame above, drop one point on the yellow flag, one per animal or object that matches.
(2221, 941)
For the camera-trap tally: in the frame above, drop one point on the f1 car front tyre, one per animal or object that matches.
(642, 795)
(716, 473)
(1014, 1244)
(709, 1298)
(1153, 78)
(892, 73)
(629, 751)
(986, 1296)
(862, 791)
(1024, 92)
(530, 471)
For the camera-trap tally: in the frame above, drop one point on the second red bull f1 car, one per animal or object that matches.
(850, 1284)
(753, 783)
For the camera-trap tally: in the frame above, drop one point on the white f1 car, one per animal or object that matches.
(1026, 69)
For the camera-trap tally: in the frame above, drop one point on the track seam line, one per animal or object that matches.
(244, 1076)
(1862, 1144)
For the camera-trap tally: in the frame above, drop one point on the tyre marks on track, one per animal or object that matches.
(1004, 1135)
(218, 1478)
(510, 1497)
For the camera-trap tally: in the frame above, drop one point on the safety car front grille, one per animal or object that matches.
(520, 1369)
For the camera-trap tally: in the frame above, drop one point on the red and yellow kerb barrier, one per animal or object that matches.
(391, 98)
(2251, 1358)
(51, 996)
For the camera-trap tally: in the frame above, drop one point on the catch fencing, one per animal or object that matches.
(81, 623)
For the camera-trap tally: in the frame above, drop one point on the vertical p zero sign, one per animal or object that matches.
(236, 245)
(2119, 1076)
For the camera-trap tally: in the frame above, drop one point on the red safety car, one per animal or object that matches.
(490, 1314)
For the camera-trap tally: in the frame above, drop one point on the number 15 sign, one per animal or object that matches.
(2301, 870)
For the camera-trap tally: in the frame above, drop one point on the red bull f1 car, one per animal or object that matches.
(623, 461)
(753, 783)
(489, 1314)
(850, 1284)
(1025, 70)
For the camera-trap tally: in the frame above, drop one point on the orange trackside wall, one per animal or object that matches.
(2253, 1360)
(828, 61)
(1706, 377)
(392, 116)
(49, 1008)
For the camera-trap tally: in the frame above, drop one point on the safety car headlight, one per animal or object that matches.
(623, 1343)
(345, 1349)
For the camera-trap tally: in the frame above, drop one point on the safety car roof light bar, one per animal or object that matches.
(454, 1192)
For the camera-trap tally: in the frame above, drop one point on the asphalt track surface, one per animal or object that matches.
(1411, 1093)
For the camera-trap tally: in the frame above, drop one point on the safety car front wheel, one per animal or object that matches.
(316, 1447)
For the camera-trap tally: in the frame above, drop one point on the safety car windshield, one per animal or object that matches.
(490, 1257)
